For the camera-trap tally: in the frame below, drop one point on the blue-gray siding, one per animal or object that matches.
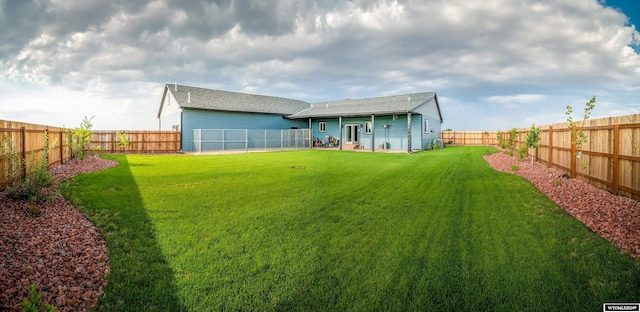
(395, 134)
(429, 111)
(201, 119)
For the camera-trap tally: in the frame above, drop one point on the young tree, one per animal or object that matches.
(124, 142)
(500, 139)
(578, 137)
(511, 144)
(532, 139)
(485, 136)
(79, 138)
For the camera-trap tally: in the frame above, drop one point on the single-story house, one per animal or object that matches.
(402, 122)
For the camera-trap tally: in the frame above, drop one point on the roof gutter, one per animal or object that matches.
(365, 114)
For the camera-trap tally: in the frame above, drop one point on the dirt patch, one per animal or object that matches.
(59, 250)
(613, 217)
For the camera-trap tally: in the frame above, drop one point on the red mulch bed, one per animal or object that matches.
(613, 217)
(59, 250)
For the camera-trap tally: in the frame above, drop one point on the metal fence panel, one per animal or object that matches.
(218, 140)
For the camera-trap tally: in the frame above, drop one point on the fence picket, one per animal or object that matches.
(611, 152)
(28, 140)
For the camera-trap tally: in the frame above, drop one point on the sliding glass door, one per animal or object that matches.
(352, 134)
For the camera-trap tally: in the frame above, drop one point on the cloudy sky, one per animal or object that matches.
(495, 64)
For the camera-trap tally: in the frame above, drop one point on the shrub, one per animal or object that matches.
(532, 139)
(522, 152)
(29, 189)
(511, 144)
(8, 149)
(79, 138)
(32, 186)
(124, 142)
(34, 302)
(34, 210)
(500, 138)
(96, 150)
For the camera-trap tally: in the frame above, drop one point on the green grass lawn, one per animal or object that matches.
(330, 230)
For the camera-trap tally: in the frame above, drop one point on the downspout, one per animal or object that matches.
(422, 132)
(340, 122)
(310, 134)
(373, 133)
(181, 130)
(409, 132)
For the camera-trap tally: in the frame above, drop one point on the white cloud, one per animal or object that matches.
(520, 98)
(524, 55)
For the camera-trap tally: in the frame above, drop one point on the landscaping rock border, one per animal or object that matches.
(59, 250)
(613, 217)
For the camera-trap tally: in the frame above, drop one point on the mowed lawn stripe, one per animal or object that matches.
(329, 230)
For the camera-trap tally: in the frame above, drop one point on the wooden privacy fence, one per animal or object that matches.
(23, 146)
(609, 160)
(470, 137)
(141, 142)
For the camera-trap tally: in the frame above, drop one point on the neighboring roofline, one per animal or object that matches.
(164, 95)
(438, 107)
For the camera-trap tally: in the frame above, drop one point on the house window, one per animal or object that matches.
(322, 126)
(367, 127)
(426, 126)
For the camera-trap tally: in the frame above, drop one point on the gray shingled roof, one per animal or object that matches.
(208, 99)
(396, 104)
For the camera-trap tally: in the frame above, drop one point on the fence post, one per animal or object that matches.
(615, 160)
(61, 150)
(46, 147)
(550, 151)
(574, 154)
(23, 152)
(70, 148)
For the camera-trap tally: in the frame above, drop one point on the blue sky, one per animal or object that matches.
(495, 64)
(631, 8)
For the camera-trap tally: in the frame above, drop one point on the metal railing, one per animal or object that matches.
(247, 140)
